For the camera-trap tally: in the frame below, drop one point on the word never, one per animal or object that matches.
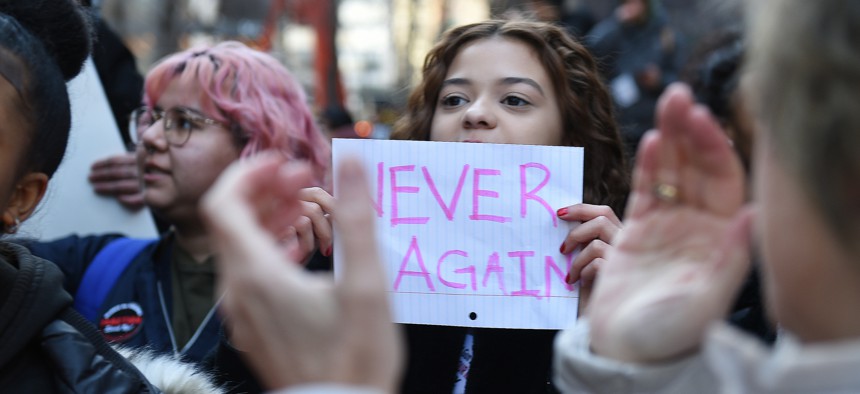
(395, 189)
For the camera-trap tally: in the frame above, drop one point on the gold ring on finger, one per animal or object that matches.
(666, 192)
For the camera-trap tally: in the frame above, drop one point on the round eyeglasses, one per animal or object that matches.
(179, 122)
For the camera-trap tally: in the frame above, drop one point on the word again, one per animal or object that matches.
(496, 272)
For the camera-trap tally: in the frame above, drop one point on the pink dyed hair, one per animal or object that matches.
(254, 93)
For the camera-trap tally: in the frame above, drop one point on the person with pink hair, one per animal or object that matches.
(203, 109)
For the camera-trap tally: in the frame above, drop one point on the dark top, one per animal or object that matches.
(138, 309)
(193, 293)
(47, 347)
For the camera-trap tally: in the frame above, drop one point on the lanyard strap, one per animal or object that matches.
(169, 322)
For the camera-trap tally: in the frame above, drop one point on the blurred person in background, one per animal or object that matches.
(337, 123)
(639, 55)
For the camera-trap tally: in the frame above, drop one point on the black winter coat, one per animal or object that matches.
(47, 347)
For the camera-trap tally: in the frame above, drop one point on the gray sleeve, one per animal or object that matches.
(577, 370)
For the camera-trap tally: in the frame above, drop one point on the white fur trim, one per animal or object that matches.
(169, 373)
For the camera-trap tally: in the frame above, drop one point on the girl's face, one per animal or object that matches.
(19, 195)
(175, 177)
(11, 140)
(497, 91)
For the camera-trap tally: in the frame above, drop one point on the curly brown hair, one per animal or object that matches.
(583, 100)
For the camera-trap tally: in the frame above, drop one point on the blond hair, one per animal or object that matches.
(804, 74)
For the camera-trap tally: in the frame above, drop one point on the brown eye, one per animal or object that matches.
(453, 101)
(515, 101)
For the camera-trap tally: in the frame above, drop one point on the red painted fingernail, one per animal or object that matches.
(562, 212)
(328, 252)
(567, 278)
(561, 248)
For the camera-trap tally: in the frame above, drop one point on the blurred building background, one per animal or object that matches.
(359, 57)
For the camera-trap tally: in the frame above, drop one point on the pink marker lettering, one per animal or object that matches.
(493, 266)
(532, 195)
(452, 206)
(379, 180)
(395, 220)
(469, 270)
(413, 247)
(523, 275)
(478, 192)
(551, 266)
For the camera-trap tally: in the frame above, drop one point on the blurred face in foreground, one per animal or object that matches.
(798, 249)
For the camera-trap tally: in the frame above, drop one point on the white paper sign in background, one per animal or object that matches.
(70, 205)
(468, 233)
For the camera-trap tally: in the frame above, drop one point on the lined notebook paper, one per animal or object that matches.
(468, 233)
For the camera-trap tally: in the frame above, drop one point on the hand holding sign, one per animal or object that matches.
(300, 327)
(594, 239)
(599, 227)
(313, 229)
(116, 176)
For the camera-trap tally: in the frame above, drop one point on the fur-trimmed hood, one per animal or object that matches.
(169, 373)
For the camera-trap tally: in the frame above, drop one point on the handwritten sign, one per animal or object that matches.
(468, 233)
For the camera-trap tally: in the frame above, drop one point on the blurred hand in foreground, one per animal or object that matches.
(296, 326)
(684, 250)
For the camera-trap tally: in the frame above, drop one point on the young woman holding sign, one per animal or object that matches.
(524, 83)
(516, 82)
(509, 82)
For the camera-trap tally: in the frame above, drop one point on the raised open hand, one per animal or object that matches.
(296, 326)
(684, 250)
